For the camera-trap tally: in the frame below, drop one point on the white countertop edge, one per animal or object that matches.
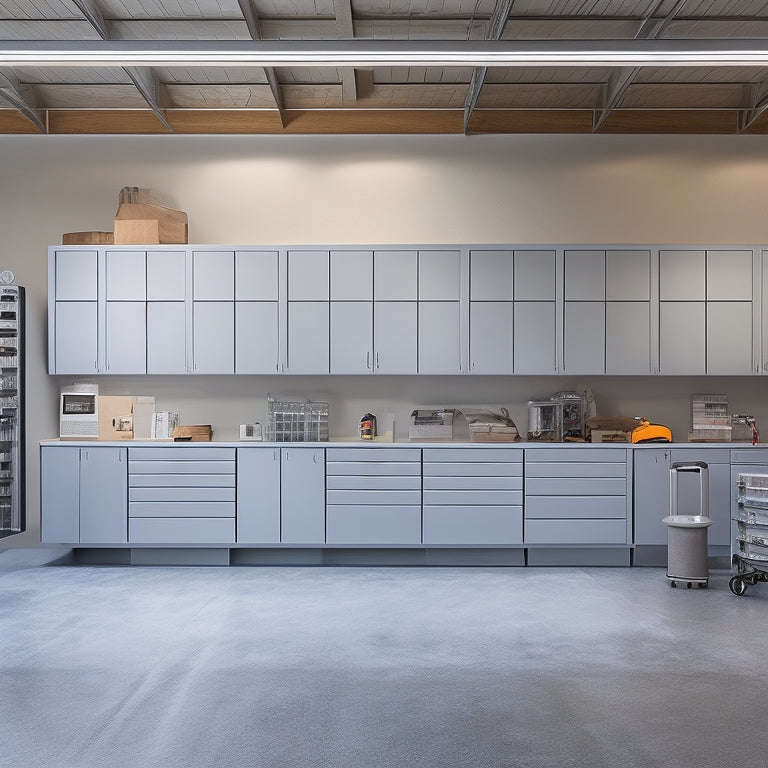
(386, 444)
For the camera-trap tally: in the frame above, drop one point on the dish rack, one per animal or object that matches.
(296, 421)
(750, 556)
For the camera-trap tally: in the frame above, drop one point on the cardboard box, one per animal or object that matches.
(143, 414)
(116, 417)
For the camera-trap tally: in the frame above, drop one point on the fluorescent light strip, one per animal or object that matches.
(372, 53)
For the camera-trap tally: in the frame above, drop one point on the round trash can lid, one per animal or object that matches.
(687, 521)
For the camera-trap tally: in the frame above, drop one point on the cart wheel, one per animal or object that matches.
(672, 583)
(738, 585)
(703, 585)
(689, 585)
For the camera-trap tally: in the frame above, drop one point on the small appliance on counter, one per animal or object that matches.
(251, 432)
(744, 429)
(545, 420)
(368, 427)
(431, 424)
(573, 414)
(79, 412)
(626, 429)
(491, 427)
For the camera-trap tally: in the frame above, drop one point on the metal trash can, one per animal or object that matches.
(687, 524)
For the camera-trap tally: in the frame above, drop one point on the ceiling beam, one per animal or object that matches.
(345, 28)
(494, 31)
(650, 28)
(755, 103)
(144, 79)
(12, 92)
(708, 53)
(253, 22)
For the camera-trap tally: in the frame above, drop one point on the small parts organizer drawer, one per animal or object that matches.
(373, 496)
(577, 496)
(473, 496)
(181, 495)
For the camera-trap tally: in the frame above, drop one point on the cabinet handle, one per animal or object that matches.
(368, 360)
(377, 360)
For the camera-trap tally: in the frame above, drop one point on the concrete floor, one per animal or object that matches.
(380, 667)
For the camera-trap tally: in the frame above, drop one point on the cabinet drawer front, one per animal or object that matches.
(711, 456)
(373, 525)
(577, 453)
(199, 530)
(371, 468)
(573, 508)
(181, 494)
(473, 526)
(181, 481)
(187, 453)
(575, 469)
(465, 469)
(473, 454)
(576, 486)
(754, 456)
(181, 509)
(473, 483)
(374, 453)
(373, 497)
(470, 497)
(181, 467)
(575, 532)
(362, 483)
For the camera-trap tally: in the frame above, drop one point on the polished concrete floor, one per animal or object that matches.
(380, 667)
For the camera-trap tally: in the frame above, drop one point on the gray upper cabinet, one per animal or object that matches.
(351, 318)
(585, 275)
(535, 276)
(308, 337)
(166, 337)
(439, 276)
(213, 276)
(75, 336)
(75, 275)
(256, 276)
(682, 337)
(126, 337)
(491, 275)
(308, 275)
(682, 275)
(395, 334)
(584, 337)
(214, 336)
(395, 275)
(535, 336)
(126, 275)
(351, 275)
(166, 275)
(729, 275)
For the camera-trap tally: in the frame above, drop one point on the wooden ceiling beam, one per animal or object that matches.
(253, 22)
(22, 100)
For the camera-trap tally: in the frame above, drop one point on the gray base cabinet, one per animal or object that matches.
(578, 496)
(83, 495)
(181, 496)
(473, 497)
(374, 496)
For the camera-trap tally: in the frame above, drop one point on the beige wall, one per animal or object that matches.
(252, 190)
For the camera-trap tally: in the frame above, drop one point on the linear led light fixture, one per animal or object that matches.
(373, 53)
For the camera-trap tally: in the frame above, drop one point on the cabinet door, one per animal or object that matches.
(126, 275)
(395, 336)
(439, 275)
(166, 337)
(682, 337)
(214, 336)
(126, 337)
(439, 337)
(103, 495)
(213, 275)
(351, 275)
(627, 337)
(166, 275)
(628, 275)
(256, 337)
(535, 275)
(729, 275)
(308, 337)
(256, 275)
(534, 337)
(59, 495)
(76, 276)
(584, 337)
(490, 337)
(351, 336)
(308, 276)
(682, 275)
(302, 484)
(729, 337)
(584, 275)
(258, 495)
(76, 337)
(491, 275)
(651, 495)
(395, 275)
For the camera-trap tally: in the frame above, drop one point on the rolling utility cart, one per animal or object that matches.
(750, 555)
(687, 524)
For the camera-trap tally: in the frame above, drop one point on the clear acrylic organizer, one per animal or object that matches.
(296, 421)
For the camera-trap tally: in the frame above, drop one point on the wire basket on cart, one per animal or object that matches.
(297, 421)
(750, 555)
